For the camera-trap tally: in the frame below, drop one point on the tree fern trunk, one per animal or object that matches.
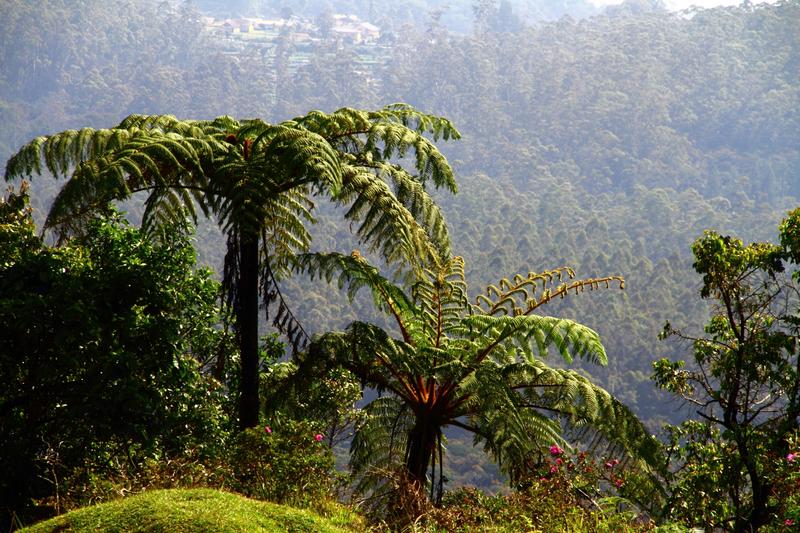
(422, 441)
(247, 320)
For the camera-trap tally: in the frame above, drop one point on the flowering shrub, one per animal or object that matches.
(285, 463)
(584, 475)
(565, 492)
(786, 490)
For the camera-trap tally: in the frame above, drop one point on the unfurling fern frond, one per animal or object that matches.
(527, 293)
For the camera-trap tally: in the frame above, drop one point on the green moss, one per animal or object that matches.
(197, 510)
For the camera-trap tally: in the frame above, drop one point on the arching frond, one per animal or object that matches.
(387, 134)
(299, 157)
(592, 415)
(379, 442)
(386, 225)
(168, 207)
(60, 153)
(354, 273)
(534, 332)
(372, 355)
(506, 429)
(400, 223)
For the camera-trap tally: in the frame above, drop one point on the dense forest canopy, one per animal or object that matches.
(607, 143)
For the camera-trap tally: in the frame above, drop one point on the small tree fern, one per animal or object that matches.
(477, 366)
(258, 181)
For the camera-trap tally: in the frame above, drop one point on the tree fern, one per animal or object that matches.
(257, 180)
(478, 367)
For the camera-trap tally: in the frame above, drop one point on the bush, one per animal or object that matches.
(566, 493)
(99, 358)
(288, 463)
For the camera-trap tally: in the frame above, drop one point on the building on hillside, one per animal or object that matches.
(352, 30)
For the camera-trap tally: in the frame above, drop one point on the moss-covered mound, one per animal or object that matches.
(197, 510)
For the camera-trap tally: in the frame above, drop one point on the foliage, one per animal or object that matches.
(569, 492)
(199, 510)
(744, 383)
(121, 476)
(323, 397)
(477, 367)
(258, 179)
(539, 507)
(99, 353)
(287, 462)
(607, 143)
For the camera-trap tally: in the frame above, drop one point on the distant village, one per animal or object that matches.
(347, 29)
(328, 34)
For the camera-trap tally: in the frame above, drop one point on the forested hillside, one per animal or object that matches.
(606, 144)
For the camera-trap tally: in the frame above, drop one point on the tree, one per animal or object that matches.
(476, 367)
(745, 381)
(258, 181)
(100, 353)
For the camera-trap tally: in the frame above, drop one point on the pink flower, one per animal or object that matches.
(791, 457)
(559, 462)
(553, 469)
(555, 450)
(318, 437)
(267, 430)
(609, 465)
(788, 522)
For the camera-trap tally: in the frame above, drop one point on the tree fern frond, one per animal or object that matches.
(61, 152)
(302, 157)
(379, 443)
(354, 273)
(283, 319)
(529, 332)
(385, 225)
(167, 207)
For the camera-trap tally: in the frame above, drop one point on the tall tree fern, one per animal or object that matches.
(258, 180)
(479, 367)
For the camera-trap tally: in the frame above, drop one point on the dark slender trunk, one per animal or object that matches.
(420, 446)
(247, 321)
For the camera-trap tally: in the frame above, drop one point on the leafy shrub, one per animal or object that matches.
(567, 493)
(287, 463)
(99, 358)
